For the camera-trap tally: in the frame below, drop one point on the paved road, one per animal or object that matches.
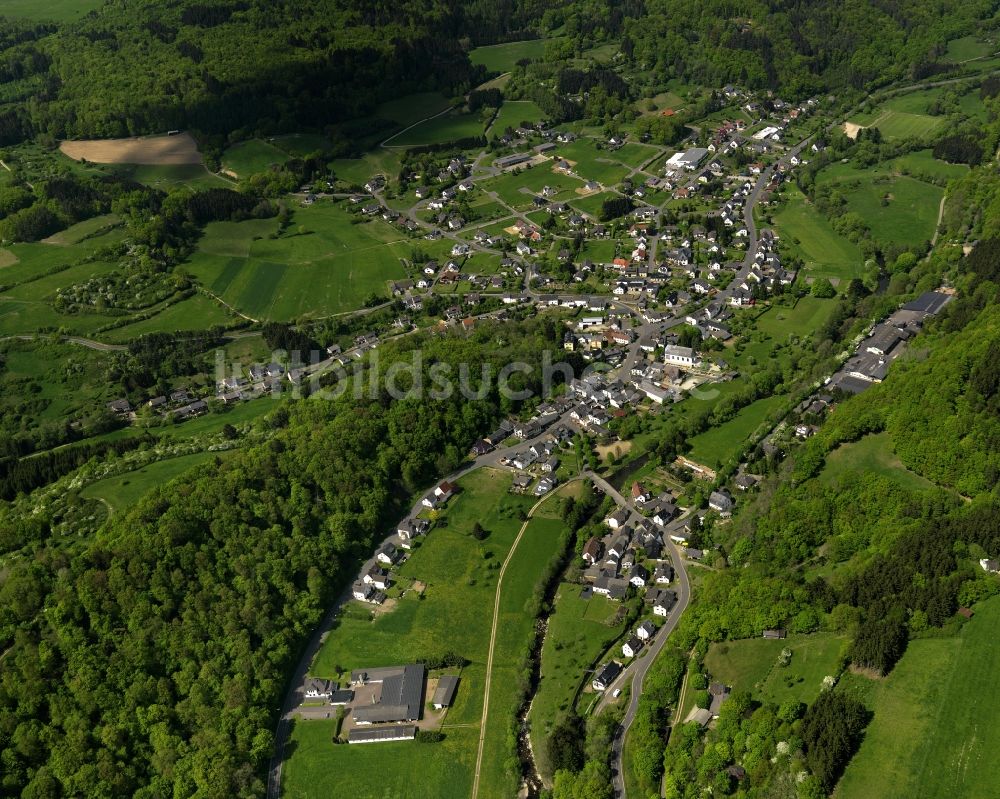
(637, 670)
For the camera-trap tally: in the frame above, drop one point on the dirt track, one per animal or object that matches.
(179, 149)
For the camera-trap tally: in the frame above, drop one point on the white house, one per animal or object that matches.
(679, 356)
(631, 647)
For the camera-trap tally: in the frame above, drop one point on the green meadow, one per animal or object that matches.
(752, 665)
(718, 444)
(454, 613)
(252, 156)
(573, 641)
(513, 112)
(323, 265)
(503, 57)
(811, 236)
(872, 454)
(167, 176)
(935, 731)
(123, 491)
(50, 10)
(899, 209)
(447, 127)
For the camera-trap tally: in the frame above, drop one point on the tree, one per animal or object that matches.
(823, 288)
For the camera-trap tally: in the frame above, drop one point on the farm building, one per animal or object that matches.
(445, 693)
(405, 732)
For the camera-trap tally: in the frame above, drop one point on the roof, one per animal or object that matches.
(445, 692)
(930, 302)
(402, 693)
(406, 732)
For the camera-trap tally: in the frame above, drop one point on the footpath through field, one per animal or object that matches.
(493, 633)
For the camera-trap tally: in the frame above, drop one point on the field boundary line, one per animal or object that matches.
(493, 633)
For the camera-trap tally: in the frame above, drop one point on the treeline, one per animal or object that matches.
(152, 661)
(24, 475)
(156, 358)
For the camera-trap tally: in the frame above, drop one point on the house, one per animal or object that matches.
(699, 715)
(611, 587)
(409, 529)
(618, 519)
(744, 482)
(645, 631)
(120, 406)
(719, 693)
(990, 565)
(632, 646)
(444, 694)
(664, 574)
(376, 576)
(388, 554)
(775, 635)
(721, 501)
(679, 356)
(606, 675)
(640, 495)
(396, 732)
(316, 688)
(481, 447)
(593, 550)
(367, 593)
(663, 602)
(638, 575)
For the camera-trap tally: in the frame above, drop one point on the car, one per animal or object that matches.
(616, 693)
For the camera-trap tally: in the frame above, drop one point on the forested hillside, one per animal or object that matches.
(267, 66)
(804, 47)
(148, 660)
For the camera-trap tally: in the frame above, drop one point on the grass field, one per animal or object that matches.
(752, 665)
(593, 164)
(453, 615)
(122, 491)
(358, 170)
(517, 188)
(923, 164)
(574, 639)
(873, 454)
(53, 382)
(910, 213)
(513, 113)
(808, 233)
(935, 731)
(439, 130)
(324, 265)
(252, 156)
(194, 313)
(809, 313)
(503, 57)
(167, 175)
(968, 47)
(718, 444)
(82, 230)
(301, 144)
(55, 10)
(904, 115)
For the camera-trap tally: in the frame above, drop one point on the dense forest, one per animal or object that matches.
(268, 66)
(802, 47)
(148, 660)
